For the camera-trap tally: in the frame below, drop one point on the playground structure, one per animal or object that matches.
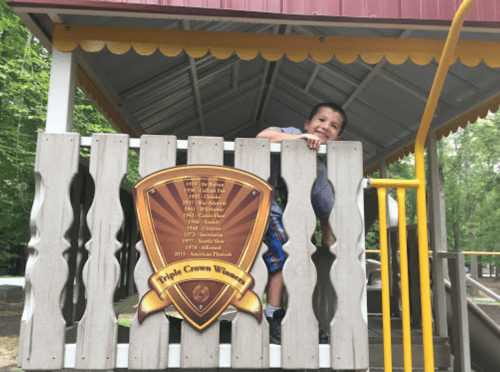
(43, 330)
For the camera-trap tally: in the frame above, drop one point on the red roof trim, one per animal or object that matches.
(234, 14)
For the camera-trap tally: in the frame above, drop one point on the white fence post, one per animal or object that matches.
(42, 325)
(349, 327)
(201, 350)
(149, 340)
(299, 328)
(250, 340)
(98, 330)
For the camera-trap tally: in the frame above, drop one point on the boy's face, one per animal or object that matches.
(326, 125)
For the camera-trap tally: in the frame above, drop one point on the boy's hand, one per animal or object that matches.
(312, 141)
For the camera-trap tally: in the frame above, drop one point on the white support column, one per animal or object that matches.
(437, 235)
(61, 92)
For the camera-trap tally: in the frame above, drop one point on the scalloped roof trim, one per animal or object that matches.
(297, 48)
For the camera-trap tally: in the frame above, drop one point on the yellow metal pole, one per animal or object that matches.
(437, 86)
(384, 266)
(403, 269)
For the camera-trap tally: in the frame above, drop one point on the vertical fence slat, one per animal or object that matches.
(98, 329)
(252, 351)
(349, 328)
(201, 350)
(149, 340)
(43, 326)
(299, 328)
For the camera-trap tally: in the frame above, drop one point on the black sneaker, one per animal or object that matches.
(275, 326)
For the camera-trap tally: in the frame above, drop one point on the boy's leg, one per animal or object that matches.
(275, 289)
(275, 258)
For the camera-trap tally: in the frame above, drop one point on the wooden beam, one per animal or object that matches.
(438, 235)
(236, 73)
(275, 74)
(312, 78)
(117, 113)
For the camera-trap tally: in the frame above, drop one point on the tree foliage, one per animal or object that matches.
(24, 85)
(471, 166)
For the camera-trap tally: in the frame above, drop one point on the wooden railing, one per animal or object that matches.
(49, 272)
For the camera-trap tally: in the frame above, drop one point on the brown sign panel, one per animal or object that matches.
(202, 227)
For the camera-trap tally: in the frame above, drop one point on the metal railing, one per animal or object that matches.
(447, 58)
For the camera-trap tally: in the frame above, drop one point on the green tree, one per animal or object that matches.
(24, 84)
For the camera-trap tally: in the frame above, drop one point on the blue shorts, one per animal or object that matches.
(275, 238)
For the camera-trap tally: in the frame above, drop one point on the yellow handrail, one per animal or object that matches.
(405, 286)
(446, 59)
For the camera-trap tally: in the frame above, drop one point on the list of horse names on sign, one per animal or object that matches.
(204, 212)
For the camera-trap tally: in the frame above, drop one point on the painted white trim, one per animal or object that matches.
(174, 356)
(61, 92)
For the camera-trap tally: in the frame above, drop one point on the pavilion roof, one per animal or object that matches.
(232, 68)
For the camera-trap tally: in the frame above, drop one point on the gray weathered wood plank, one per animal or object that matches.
(299, 328)
(42, 327)
(349, 327)
(250, 340)
(98, 329)
(201, 350)
(149, 340)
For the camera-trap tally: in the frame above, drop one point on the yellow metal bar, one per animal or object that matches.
(446, 59)
(481, 253)
(383, 182)
(403, 269)
(384, 262)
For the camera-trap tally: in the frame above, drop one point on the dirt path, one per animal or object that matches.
(10, 320)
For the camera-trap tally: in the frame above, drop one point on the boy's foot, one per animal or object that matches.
(275, 326)
(323, 337)
(275, 329)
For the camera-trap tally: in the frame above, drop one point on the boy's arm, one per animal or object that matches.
(276, 136)
(326, 233)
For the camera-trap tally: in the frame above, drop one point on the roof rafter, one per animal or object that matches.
(272, 81)
(243, 90)
(196, 86)
(370, 76)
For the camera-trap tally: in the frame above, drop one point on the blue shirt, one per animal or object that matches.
(322, 193)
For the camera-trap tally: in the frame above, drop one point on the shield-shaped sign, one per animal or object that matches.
(202, 227)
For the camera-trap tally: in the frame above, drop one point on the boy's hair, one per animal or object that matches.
(335, 108)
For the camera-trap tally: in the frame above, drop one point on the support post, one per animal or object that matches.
(437, 236)
(473, 267)
(61, 92)
(460, 318)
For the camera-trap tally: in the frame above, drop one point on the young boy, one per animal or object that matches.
(326, 123)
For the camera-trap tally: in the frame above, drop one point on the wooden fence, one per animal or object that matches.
(66, 228)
